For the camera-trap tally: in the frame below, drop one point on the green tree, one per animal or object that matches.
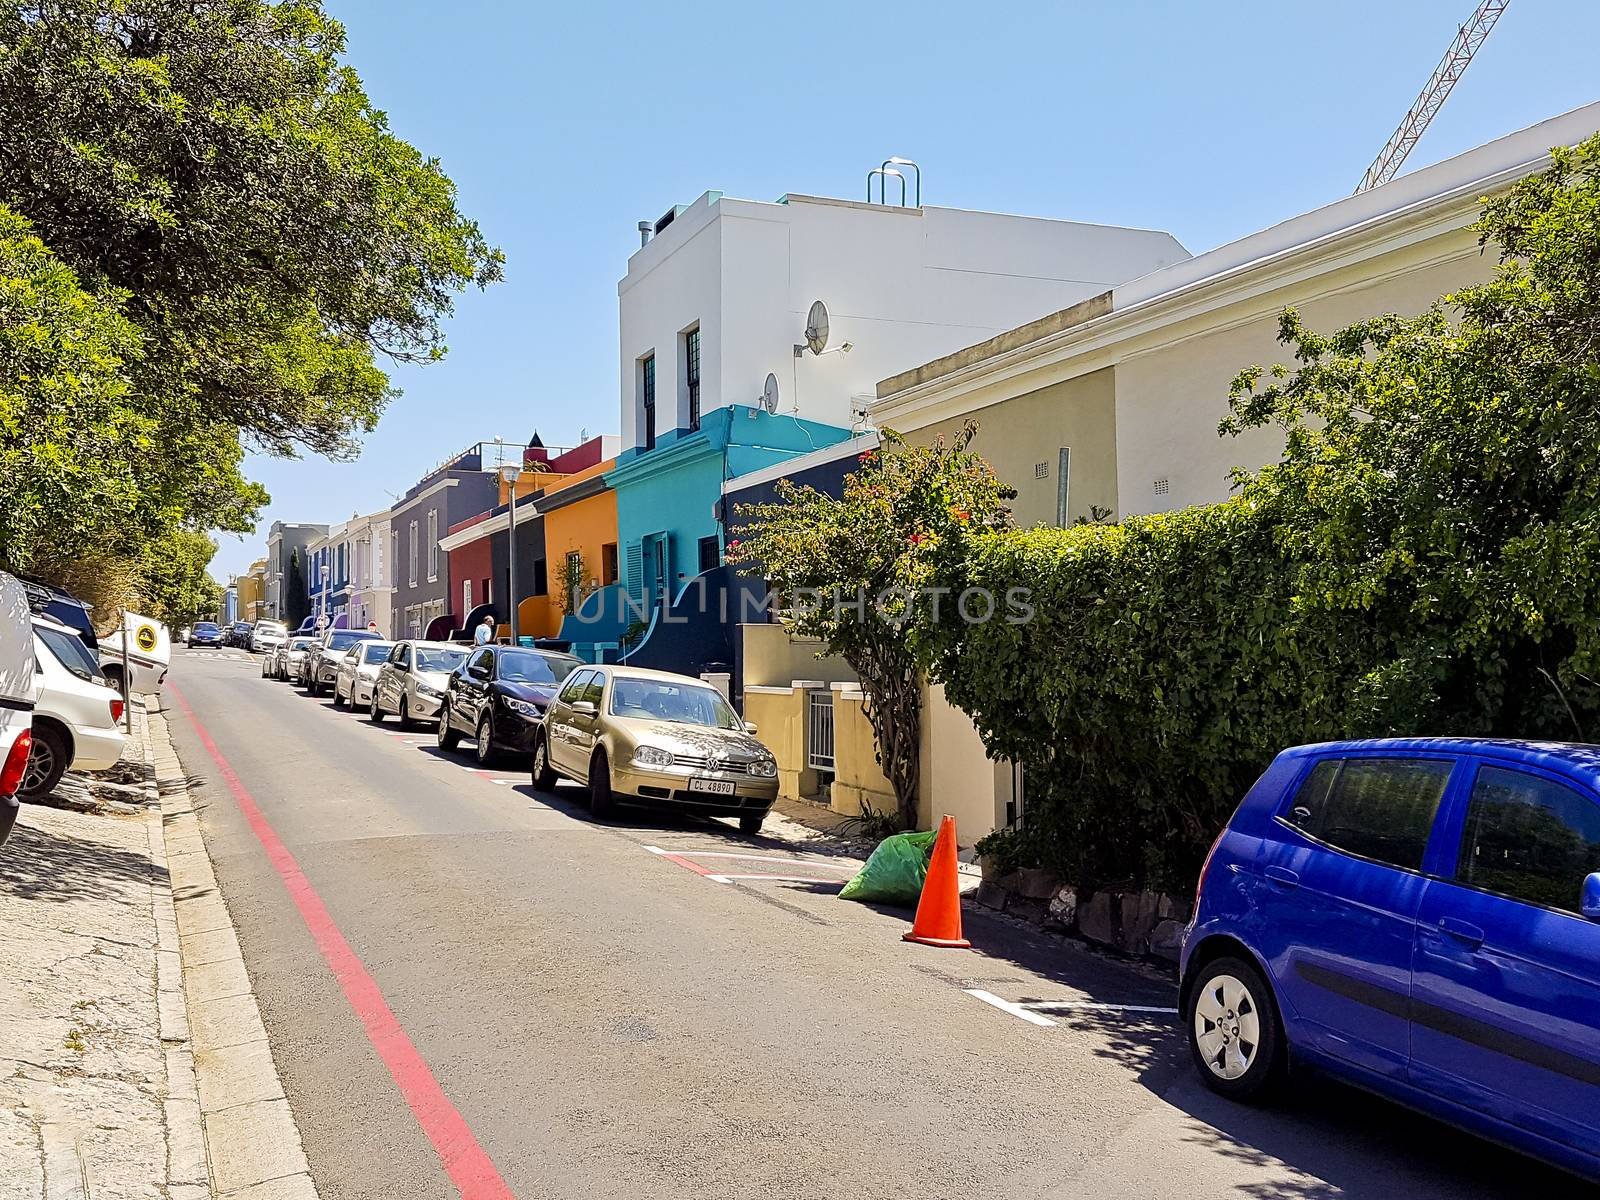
(854, 572)
(87, 465)
(218, 164)
(174, 586)
(296, 599)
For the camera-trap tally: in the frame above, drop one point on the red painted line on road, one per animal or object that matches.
(465, 1161)
(681, 861)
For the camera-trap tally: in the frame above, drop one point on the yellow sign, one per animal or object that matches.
(146, 637)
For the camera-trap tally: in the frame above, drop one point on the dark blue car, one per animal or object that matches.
(1421, 918)
(205, 633)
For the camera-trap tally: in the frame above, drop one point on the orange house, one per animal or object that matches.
(580, 540)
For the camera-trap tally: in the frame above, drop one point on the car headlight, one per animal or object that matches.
(764, 768)
(652, 756)
(524, 707)
(428, 690)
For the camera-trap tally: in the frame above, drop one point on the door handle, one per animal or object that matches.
(1461, 931)
(1283, 877)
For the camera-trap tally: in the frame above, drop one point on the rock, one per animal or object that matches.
(1138, 920)
(1064, 908)
(1036, 883)
(1095, 919)
(992, 895)
(1166, 940)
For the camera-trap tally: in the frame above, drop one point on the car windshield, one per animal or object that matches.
(302, 643)
(375, 651)
(665, 700)
(206, 627)
(529, 666)
(435, 659)
(71, 653)
(343, 639)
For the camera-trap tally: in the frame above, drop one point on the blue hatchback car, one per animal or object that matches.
(1420, 917)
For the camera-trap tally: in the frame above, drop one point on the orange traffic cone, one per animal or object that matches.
(938, 920)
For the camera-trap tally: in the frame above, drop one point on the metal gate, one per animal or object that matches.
(819, 730)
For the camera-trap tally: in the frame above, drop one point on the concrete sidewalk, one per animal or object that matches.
(100, 1098)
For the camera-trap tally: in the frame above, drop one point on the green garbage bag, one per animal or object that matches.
(894, 873)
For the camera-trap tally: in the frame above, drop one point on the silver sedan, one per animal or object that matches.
(411, 682)
(358, 671)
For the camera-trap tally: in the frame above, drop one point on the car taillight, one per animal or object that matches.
(16, 764)
(1200, 883)
(116, 711)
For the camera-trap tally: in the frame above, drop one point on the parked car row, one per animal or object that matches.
(58, 706)
(628, 735)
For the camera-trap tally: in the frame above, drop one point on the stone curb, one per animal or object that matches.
(243, 1131)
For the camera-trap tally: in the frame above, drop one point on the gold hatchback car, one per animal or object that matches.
(652, 738)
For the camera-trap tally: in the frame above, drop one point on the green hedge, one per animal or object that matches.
(1165, 665)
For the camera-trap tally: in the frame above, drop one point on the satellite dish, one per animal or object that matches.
(769, 393)
(817, 327)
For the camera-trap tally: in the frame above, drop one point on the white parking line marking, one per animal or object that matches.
(1016, 1010)
(775, 878)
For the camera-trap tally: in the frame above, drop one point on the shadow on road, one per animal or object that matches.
(40, 864)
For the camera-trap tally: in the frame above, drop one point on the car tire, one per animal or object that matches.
(1235, 1034)
(483, 747)
(449, 737)
(404, 712)
(602, 801)
(338, 700)
(544, 776)
(47, 762)
(375, 713)
(751, 822)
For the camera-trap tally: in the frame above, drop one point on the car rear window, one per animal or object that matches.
(1379, 808)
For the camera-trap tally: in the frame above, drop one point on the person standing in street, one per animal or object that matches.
(485, 631)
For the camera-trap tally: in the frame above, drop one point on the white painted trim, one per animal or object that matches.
(859, 444)
(1016, 1010)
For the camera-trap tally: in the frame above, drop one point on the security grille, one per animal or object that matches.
(819, 731)
(1162, 487)
(1041, 470)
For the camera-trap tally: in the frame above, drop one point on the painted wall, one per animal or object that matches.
(1170, 399)
(587, 526)
(471, 563)
(902, 285)
(1022, 440)
(858, 781)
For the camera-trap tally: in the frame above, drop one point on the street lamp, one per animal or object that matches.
(510, 472)
(323, 573)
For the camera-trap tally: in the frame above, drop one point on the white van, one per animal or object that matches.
(18, 691)
(149, 653)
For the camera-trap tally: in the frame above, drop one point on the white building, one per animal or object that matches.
(366, 555)
(719, 297)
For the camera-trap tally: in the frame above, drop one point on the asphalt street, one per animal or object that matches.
(616, 1010)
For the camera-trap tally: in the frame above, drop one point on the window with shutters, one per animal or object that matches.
(411, 572)
(691, 375)
(647, 402)
(433, 544)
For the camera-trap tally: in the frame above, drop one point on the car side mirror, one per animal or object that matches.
(584, 708)
(1589, 901)
(750, 727)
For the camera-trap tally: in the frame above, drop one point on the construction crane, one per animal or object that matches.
(1468, 38)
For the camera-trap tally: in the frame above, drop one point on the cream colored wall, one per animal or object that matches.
(772, 658)
(1016, 435)
(958, 777)
(858, 782)
(779, 718)
(1170, 400)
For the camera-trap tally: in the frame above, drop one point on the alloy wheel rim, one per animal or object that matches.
(538, 758)
(444, 724)
(41, 761)
(1227, 1027)
(483, 740)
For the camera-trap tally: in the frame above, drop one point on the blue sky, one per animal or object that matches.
(564, 125)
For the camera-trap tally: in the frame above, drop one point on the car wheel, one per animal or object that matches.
(544, 778)
(449, 739)
(751, 822)
(338, 700)
(1235, 1035)
(375, 713)
(602, 803)
(405, 712)
(485, 745)
(47, 762)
